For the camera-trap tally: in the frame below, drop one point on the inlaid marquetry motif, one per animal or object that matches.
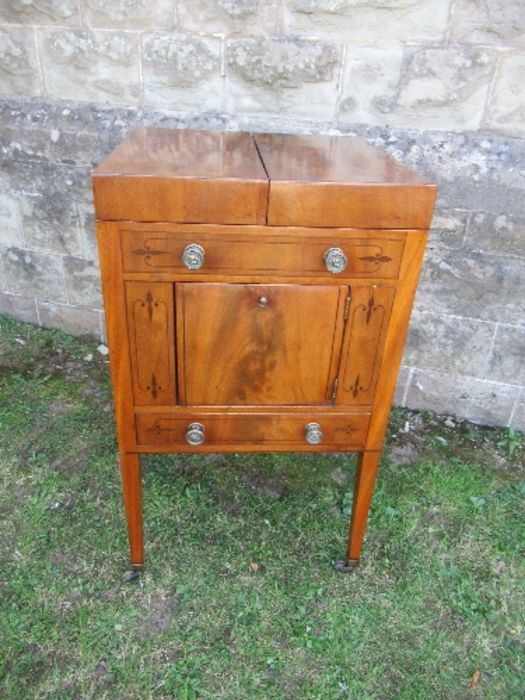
(368, 318)
(150, 327)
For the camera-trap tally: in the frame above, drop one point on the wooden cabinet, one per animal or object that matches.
(257, 291)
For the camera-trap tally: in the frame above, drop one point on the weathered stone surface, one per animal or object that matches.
(506, 110)
(34, 274)
(476, 171)
(23, 308)
(508, 358)
(448, 228)
(496, 233)
(451, 344)
(129, 14)
(69, 117)
(83, 282)
(3, 276)
(11, 232)
(474, 399)
(281, 76)
(182, 71)
(16, 143)
(518, 416)
(463, 283)
(371, 77)
(64, 12)
(404, 20)
(441, 87)
(18, 62)
(90, 65)
(500, 22)
(403, 382)
(72, 319)
(228, 15)
(51, 222)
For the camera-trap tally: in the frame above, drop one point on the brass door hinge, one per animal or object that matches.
(334, 389)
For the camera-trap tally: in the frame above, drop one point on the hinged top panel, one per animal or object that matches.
(182, 175)
(341, 181)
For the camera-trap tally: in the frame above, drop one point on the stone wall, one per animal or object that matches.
(438, 83)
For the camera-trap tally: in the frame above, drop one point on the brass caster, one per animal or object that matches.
(133, 574)
(346, 566)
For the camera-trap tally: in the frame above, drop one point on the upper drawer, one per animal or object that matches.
(249, 252)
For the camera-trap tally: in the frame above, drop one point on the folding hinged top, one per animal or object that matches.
(188, 176)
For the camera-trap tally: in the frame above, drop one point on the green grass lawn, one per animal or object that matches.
(239, 599)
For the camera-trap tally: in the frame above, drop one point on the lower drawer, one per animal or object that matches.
(257, 432)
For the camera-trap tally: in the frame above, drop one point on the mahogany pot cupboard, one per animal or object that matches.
(257, 290)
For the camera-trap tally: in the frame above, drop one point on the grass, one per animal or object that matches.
(239, 599)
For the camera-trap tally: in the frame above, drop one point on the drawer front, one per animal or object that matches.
(252, 431)
(242, 253)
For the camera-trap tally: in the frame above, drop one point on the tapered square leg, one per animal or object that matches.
(365, 478)
(131, 489)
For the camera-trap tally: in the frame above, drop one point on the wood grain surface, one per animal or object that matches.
(242, 344)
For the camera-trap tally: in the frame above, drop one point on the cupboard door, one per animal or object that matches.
(151, 342)
(365, 333)
(251, 344)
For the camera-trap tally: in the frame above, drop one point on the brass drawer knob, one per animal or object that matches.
(335, 260)
(195, 434)
(313, 434)
(193, 256)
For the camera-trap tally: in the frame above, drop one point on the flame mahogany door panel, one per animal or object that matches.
(258, 344)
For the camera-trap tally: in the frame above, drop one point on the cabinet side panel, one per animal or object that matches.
(108, 237)
(151, 342)
(396, 337)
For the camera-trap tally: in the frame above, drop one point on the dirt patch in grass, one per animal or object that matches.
(159, 611)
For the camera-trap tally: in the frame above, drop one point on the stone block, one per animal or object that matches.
(129, 14)
(34, 274)
(20, 307)
(228, 16)
(448, 228)
(499, 22)
(282, 76)
(403, 381)
(11, 232)
(83, 282)
(443, 87)
(18, 62)
(90, 65)
(51, 222)
(517, 420)
(507, 363)
(476, 400)
(464, 283)
(450, 344)
(72, 319)
(59, 12)
(48, 115)
(506, 109)
(496, 233)
(371, 78)
(364, 20)
(182, 72)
